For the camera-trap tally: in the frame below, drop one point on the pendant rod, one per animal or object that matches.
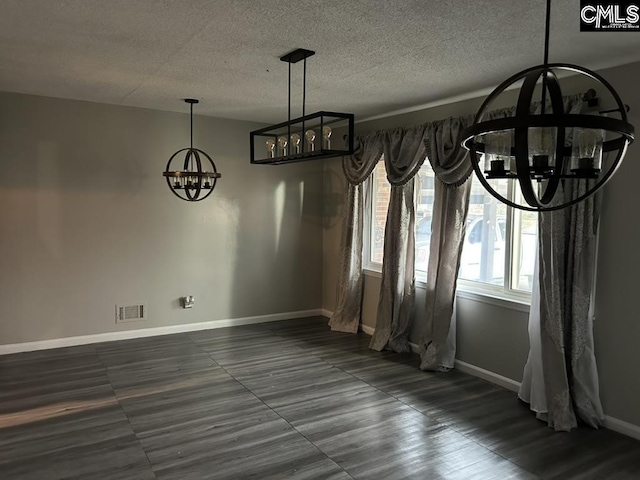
(547, 29)
(289, 114)
(289, 96)
(304, 97)
(304, 86)
(191, 121)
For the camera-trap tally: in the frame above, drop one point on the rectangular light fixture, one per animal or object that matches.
(309, 137)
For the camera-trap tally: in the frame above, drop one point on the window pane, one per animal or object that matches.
(525, 244)
(381, 195)
(425, 182)
(484, 252)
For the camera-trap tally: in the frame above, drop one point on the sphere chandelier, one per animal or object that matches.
(546, 152)
(197, 179)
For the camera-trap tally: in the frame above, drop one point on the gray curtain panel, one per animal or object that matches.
(451, 164)
(453, 169)
(568, 253)
(560, 379)
(404, 154)
(398, 288)
(437, 345)
(346, 316)
(357, 168)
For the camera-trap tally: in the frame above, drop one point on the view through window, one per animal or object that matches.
(500, 243)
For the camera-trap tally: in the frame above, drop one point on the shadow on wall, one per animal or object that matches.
(280, 269)
(333, 198)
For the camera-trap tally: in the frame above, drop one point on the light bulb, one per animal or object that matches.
(311, 137)
(295, 141)
(282, 143)
(326, 134)
(271, 148)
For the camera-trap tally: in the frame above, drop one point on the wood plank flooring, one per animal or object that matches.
(275, 401)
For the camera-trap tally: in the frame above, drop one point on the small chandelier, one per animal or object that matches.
(541, 153)
(304, 138)
(195, 181)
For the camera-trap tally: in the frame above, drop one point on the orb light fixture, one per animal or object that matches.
(542, 151)
(198, 176)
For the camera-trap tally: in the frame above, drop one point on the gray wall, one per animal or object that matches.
(494, 337)
(88, 222)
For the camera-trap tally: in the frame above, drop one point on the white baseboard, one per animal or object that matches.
(487, 375)
(152, 332)
(620, 426)
(611, 423)
(327, 313)
(367, 329)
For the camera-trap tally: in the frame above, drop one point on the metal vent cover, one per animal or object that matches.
(131, 313)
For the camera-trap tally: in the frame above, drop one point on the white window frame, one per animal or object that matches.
(501, 295)
(367, 225)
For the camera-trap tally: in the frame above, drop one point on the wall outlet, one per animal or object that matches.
(187, 302)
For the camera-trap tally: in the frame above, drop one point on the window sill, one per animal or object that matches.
(493, 298)
(372, 273)
(481, 295)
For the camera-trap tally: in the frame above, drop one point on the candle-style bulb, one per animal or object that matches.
(587, 149)
(542, 146)
(497, 152)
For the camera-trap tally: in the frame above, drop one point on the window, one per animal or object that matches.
(425, 183)
(500, 245)
(499, 250)
(380, 194)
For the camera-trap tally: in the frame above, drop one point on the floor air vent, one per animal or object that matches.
(131, 313)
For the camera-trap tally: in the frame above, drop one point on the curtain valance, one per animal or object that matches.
(448, 158)
(360, 165)
(404, 153)
(406, 149)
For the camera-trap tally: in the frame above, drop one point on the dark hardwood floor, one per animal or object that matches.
(275, 401)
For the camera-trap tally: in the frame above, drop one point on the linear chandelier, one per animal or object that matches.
(197, 179)
(308, 137)
(545, 152)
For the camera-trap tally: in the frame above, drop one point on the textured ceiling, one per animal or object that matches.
(373, 56)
